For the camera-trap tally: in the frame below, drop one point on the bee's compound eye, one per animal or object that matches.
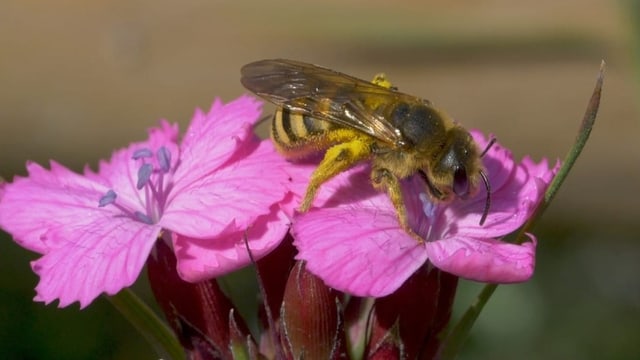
(460, 182)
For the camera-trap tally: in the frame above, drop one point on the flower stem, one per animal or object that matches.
(157, 333)
(460, 331)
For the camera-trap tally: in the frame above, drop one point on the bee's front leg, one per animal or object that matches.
(337, 159)
(383, 179)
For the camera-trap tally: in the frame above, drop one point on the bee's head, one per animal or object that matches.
(457, 170)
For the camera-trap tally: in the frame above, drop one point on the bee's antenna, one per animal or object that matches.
(487, 184)
(489, 145)
(487, 203)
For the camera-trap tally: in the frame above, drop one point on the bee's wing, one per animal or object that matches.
(325, 94)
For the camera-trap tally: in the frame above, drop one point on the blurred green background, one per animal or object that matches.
(79, 79)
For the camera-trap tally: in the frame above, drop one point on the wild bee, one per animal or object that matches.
(355, 120)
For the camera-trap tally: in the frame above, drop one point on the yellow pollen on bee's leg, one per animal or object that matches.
(380, 79)
(337, 159)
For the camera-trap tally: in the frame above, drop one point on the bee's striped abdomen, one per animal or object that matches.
(297, 135)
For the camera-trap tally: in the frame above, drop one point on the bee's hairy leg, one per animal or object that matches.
(383, 179)
(337, 159)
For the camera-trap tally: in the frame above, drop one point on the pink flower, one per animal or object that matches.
(352, 239)
(96, 230)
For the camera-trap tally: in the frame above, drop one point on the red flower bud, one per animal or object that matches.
(410, 319)
(198, 313)
(312, 324)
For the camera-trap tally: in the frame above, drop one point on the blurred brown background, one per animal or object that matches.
(79, 79)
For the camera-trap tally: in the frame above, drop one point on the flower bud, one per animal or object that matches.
(312, 324)
(198, 313)
(407, 322)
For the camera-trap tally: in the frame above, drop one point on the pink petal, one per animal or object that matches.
(87, 249)
(49, 199)
(498, 162)
(299, 175)
(213, 138)
(541, 170)
(486, 260)
(239, 192)
(104, 255)
(201, 259)
(351, 238)
(362, 252)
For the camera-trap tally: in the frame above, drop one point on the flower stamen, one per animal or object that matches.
(143, 218)
(151, 179)
(142, 153)
(144, 175)
(164, 159)
(108, 198)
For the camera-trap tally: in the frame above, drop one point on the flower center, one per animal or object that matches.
(151, 182)
(429, 210)
(428, 207)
